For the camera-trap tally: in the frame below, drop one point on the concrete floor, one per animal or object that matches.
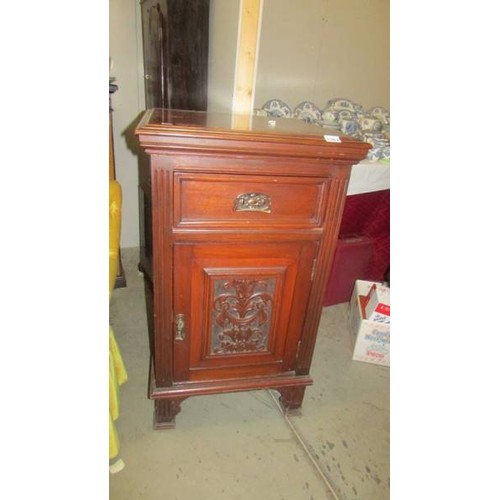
(241, 446)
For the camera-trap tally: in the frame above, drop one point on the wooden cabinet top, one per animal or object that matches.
(256, 135)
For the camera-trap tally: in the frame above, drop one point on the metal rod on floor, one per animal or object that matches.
(303, 444)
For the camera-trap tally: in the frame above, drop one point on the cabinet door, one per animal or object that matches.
(239, 308)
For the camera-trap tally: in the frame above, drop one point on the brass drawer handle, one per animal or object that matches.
(252, 202)
(180, 333)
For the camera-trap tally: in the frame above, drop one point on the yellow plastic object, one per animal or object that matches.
(117, 371)
(115, 204)
(117, 377)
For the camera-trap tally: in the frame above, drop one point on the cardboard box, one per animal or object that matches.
(377, 305)
(371, 339)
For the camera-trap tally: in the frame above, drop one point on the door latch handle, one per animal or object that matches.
(180, 324)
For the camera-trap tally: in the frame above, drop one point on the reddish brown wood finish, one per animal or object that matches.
(243, 217)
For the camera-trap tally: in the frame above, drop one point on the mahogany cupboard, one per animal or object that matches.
(240, 218)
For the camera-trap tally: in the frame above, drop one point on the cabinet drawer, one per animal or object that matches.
(246, 201)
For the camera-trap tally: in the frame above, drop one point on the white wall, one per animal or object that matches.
(125, 49)
(223, 34)
(320, 49)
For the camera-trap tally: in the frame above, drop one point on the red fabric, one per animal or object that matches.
(366, 215)
(350, 262)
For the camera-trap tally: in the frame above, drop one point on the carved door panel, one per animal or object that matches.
(239, 307)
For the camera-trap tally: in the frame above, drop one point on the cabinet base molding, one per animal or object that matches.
(168, 399)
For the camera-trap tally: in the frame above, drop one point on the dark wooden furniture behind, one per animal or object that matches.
(175, 49)
(241, 217)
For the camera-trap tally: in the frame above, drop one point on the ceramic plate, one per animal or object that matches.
(345, 104)
(381, 113)
(275, 107)
(346, 114)
(308, 112)
(329, 124)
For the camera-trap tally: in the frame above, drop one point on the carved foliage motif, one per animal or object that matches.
(242, 311)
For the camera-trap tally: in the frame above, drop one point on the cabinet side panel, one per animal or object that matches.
(162, 265)
(325, 257)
